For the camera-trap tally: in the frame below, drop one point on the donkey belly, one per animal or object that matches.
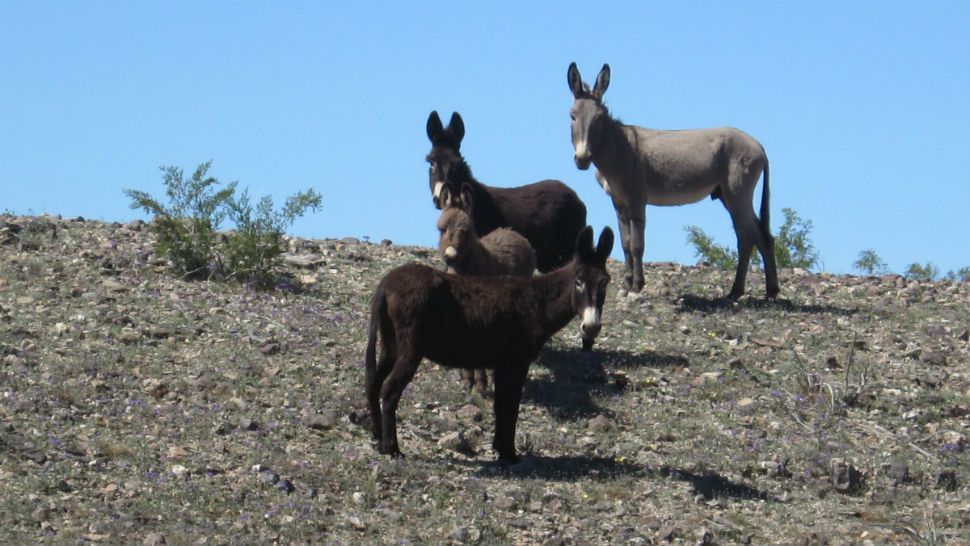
(673, 195)
(471, 354)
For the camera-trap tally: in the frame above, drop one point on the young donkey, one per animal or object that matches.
(501, 252)
(637, 167)
(499, 323)
(548, 213)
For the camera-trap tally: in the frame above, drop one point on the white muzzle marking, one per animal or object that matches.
(451, 252)
(591, 318)
(581, 151)
(437, 189)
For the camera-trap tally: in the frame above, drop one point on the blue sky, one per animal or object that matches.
(863, 107)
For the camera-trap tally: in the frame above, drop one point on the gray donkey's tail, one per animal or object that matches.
(765, 213)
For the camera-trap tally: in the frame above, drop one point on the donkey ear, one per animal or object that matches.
(584, 243)
(467, 198)
(602, 82)
(457, 127)
(605, 245)
(574, 80)
(434, 126)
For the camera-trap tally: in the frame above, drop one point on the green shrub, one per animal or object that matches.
(252, 248)
(707, 251)
(962, 274)
(793, 247)
(187, 229)
(919, 272)
(870, 263)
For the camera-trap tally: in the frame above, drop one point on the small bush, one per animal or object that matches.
(919, 272)
(793, 247)
(962, 274)
(252, 248)
(707, 251)
(187, 229)
(870, 263)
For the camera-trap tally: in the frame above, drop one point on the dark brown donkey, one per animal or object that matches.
(637, 166)
(500, 323)
(548, 213)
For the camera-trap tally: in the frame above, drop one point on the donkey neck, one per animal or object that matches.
(614, 153)
(485, 215)
(555, 292)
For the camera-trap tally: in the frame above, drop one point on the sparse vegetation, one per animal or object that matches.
(187, 229)
(252, 248)
(919, 272)
(139, 408)
(870, 263)
(793, 246)
(714, 255)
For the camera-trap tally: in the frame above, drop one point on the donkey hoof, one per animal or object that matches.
(393, 452)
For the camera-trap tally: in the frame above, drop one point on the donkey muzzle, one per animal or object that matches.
(582, 157)
(590, 325)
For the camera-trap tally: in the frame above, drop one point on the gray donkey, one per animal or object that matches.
(637, 166)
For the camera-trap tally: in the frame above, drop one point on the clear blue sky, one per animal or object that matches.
(863, 107)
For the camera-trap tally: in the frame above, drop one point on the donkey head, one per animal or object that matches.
(591, 280)
(456, 227)
(587, 113)
(445, 155)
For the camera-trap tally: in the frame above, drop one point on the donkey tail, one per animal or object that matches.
(377, 312)
(765, 214)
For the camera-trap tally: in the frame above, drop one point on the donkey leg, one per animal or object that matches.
(748, 233)
(399, 377)
(508, 394)
(766, 246)
(481, 381)
(740, 277)
(385, 363)
(638, 226)
(623, 222)
(467, 379)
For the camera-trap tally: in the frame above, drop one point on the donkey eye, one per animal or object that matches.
(580, 285)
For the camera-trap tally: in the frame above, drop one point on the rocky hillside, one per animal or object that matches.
(136, 408)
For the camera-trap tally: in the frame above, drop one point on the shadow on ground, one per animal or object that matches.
(691, 302)
(710, 485)
(577, 377)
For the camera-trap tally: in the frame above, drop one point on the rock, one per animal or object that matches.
(600, 423)
(932, 356)
(947, 481)
(504, 502)
(846, 478)
(245, 423)
(470, 412)
(320, 422)
(269, 348)
(113, 285)
(285, 486)
(454, 441)
(269, 477)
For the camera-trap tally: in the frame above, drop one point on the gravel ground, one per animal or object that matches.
(136, 408)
